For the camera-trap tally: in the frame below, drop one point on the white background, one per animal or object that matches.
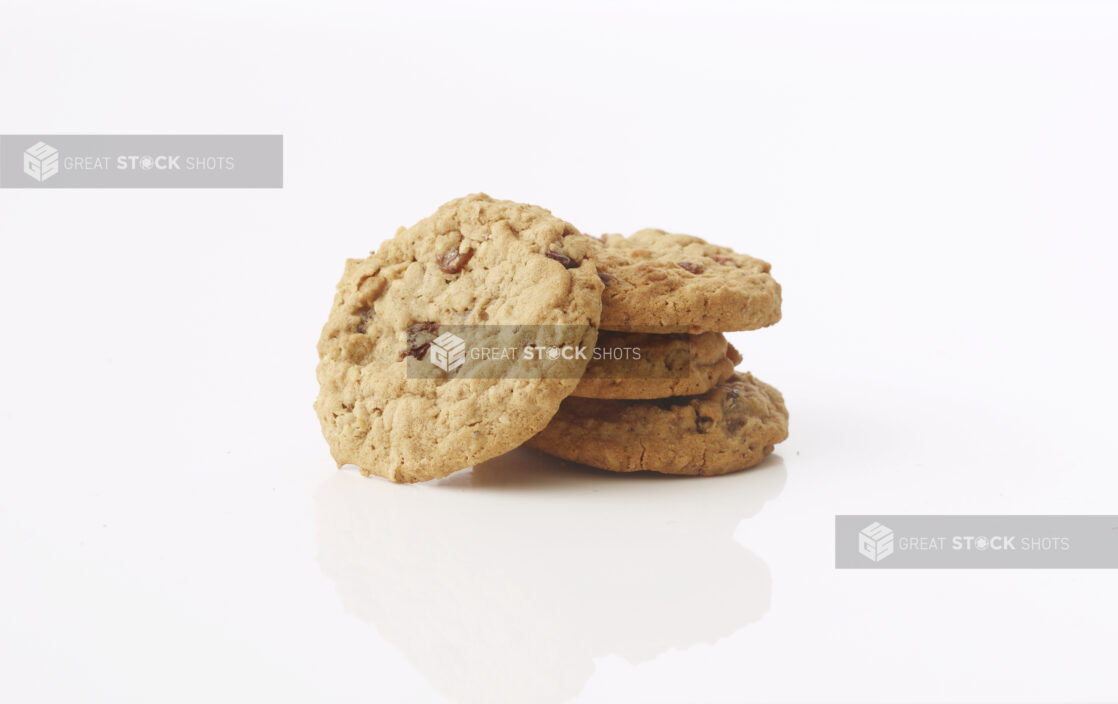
(934, 183)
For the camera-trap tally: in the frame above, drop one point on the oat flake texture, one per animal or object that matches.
(476, 260)
(660, 282)
(670, 365)
(729, 428)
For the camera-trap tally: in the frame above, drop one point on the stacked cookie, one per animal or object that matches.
(678, 407)
(524, 276)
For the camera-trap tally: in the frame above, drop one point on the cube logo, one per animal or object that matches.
(40, 161)
(875, 542)
(448, 352)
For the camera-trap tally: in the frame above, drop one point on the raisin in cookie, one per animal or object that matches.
(474, 261)
(642, 365)
(662, 283)
(731, 427)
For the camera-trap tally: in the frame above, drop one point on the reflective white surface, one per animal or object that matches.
(507, 582)
(933, 182)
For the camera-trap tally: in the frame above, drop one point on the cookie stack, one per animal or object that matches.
(679, 407)
(516, 270)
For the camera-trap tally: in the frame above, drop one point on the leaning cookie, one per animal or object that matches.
(662, 283)
(643, 365)
(731, 427)
(475, 261)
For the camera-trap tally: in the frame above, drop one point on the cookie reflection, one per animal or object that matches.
(503, 583)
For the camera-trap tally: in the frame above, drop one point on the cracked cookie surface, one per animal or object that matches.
(731, 427)
(475, 261)
(665, 283)
(669, 365)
